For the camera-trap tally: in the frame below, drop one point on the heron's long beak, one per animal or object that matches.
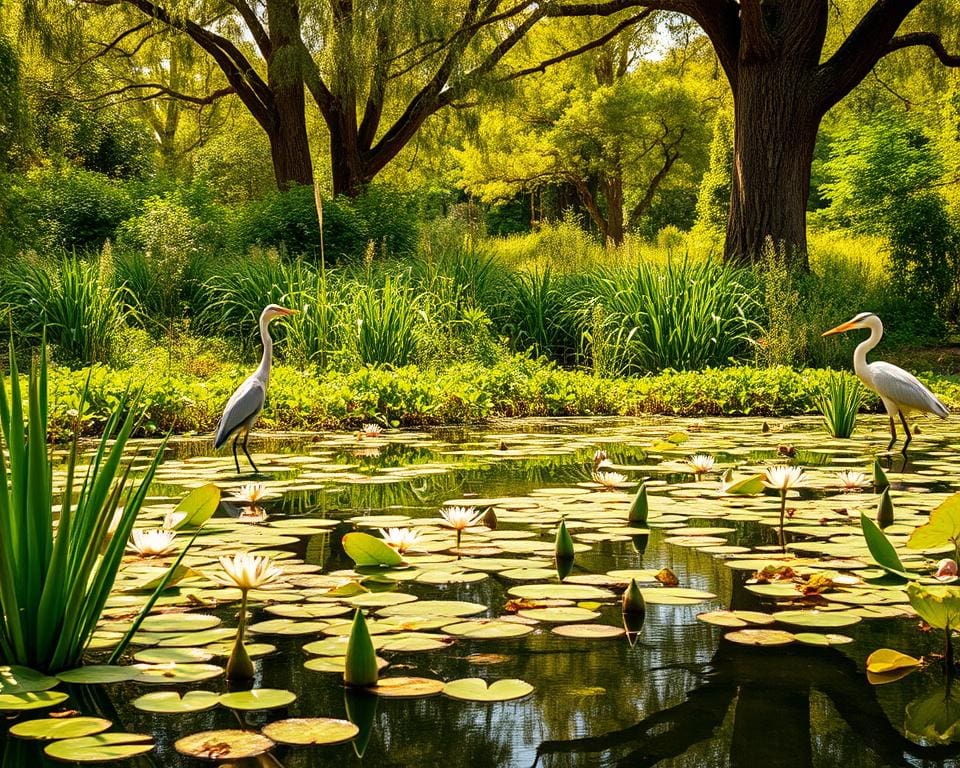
(848, 326)
(285, 311)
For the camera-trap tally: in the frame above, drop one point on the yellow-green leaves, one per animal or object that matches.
(880, 547)
(888, 660)
(943, 527)
(360, 666)
(938, 606)
(365, 549)
(196, 508)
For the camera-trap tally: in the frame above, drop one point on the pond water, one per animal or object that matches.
(675, 693)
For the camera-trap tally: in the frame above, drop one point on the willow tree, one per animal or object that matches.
(784, 79)
(376, 71)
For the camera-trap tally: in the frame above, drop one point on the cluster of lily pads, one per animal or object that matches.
(821, 571)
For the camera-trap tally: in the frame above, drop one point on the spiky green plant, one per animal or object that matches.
(54, 578)
(839, 404)
(385, 320)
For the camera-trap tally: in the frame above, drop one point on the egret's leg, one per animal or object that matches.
(906, 429)
(246, 436)
(235, 459)
(893, 434)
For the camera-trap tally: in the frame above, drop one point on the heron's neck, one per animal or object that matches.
(263, 371)
(860, 353)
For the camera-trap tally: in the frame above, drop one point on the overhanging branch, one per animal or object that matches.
(927, 39)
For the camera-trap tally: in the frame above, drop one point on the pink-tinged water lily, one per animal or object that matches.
(701, 463)
(946, 569)
(152, 543)
(609, 479)
(600, 460)
(851, 480)
(247, 571)
(401, 539)
(251, 492)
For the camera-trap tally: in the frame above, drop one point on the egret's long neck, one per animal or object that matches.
(860, 353)
(263, 371)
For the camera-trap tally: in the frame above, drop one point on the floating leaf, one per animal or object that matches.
(306, 731)
(169, 674)
(817, 619)
(746, 486)
(736, 618)
(887, 660)
(824, 640)
(170, 702)
(938, 606)
(97, 674)
(406, 687)
(179, 622)
(588, 631)
(52, 728)
(487, 629)
(942, 528)
(17, 702)
(257, 699)
(224, 745)
(365, 549)
(102, 748)
(16, 679)
(762, 637)
(476, 689)
(880, 547)
(197, 507)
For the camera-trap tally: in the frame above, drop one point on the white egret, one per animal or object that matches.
(247, 401)
(899, 390)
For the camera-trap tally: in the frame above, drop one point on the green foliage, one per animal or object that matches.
(840, 403)
(73, 301)
(385, 319)
(14, 117)
(73, 208)
(55, 582)
(714, 198)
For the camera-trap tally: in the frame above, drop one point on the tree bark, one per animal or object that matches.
(775, 131)
(612, 186)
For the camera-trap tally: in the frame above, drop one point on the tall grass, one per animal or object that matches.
(385, 318)
(54, 581)
(839, 404)
(73, 299)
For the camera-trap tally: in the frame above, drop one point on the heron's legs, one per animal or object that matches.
(235, 459)
(906, 428)
(893, 434)
(246, 436)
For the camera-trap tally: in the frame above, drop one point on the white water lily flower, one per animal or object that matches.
(460, 518)
(251, 492)
(852, 481)
(600, 460)
(371, 430)
(152, 543)
(248, 571)
(783, 477)
(609, 479)
(701, 463)
(401, 539)
(252, 515)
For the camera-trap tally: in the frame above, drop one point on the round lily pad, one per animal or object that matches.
(559, 615)
(335, 664)
(19, 702)
(406, 687)
(169, 674)
(254, 650)
(589, 631)
(304, 731)
(760, 637)
(224, 745)
(258, 698)
(817, 619)
(170, 702)
(52, 728)
(561, 591)
(102, 748)
(477, 689)
(309, 611)
(452, 608)
(480, 629)
(175, 655)
(735, 618)
(16, 679)
(179, 622)
(287, 627)
(97, 674)
(816, 638)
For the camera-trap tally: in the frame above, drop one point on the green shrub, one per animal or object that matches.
(384, 319)
(390, 219)
(839, 404)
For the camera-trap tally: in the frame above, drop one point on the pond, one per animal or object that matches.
(673, 692)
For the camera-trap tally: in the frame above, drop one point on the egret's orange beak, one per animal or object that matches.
(285, 311)
(843, 328)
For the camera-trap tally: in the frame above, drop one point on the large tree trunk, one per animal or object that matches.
(774, 137)
(346, 165)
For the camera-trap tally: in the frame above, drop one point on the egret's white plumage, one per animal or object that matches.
(247, 401)
(900, 391)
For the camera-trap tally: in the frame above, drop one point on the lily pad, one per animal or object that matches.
(224, 745)
(477, 689)
(171, 674)
(406, 687)
(760, 637)
(258, 698)
(589, 631)
(20, 702)
(179, 622)
(736, 618)
(483, 629)
(817, 619)
(365, 549)
(96, 674)
(170, 702)
(305, 731)
(52, 728)
(102, 748)
(16, 679)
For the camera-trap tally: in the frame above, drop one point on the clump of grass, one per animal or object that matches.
(839, 404)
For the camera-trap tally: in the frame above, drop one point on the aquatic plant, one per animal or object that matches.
(151, 543)
(246, 572)
(460, 518)
(360, 664)
(639, 507)
(839, 404)
(782, 478)
(943, 527)
(885, 509)
(940, 608)
(401, 539)
(700, 464)
(54, 581)
(850, 480)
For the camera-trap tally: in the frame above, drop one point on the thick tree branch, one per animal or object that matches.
(927, 39)
(160, 90)
(257, 31)
(860, 52)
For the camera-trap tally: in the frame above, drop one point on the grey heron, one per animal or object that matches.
(246, 402)
(899, 390)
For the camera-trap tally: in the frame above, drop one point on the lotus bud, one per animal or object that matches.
(885, 509)
(563, 546)
(239, 665)
(880, 480)
(490, 519)
(946, 569)
(765, 428)
(639, 507)
(633, 601)
(360, 665)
